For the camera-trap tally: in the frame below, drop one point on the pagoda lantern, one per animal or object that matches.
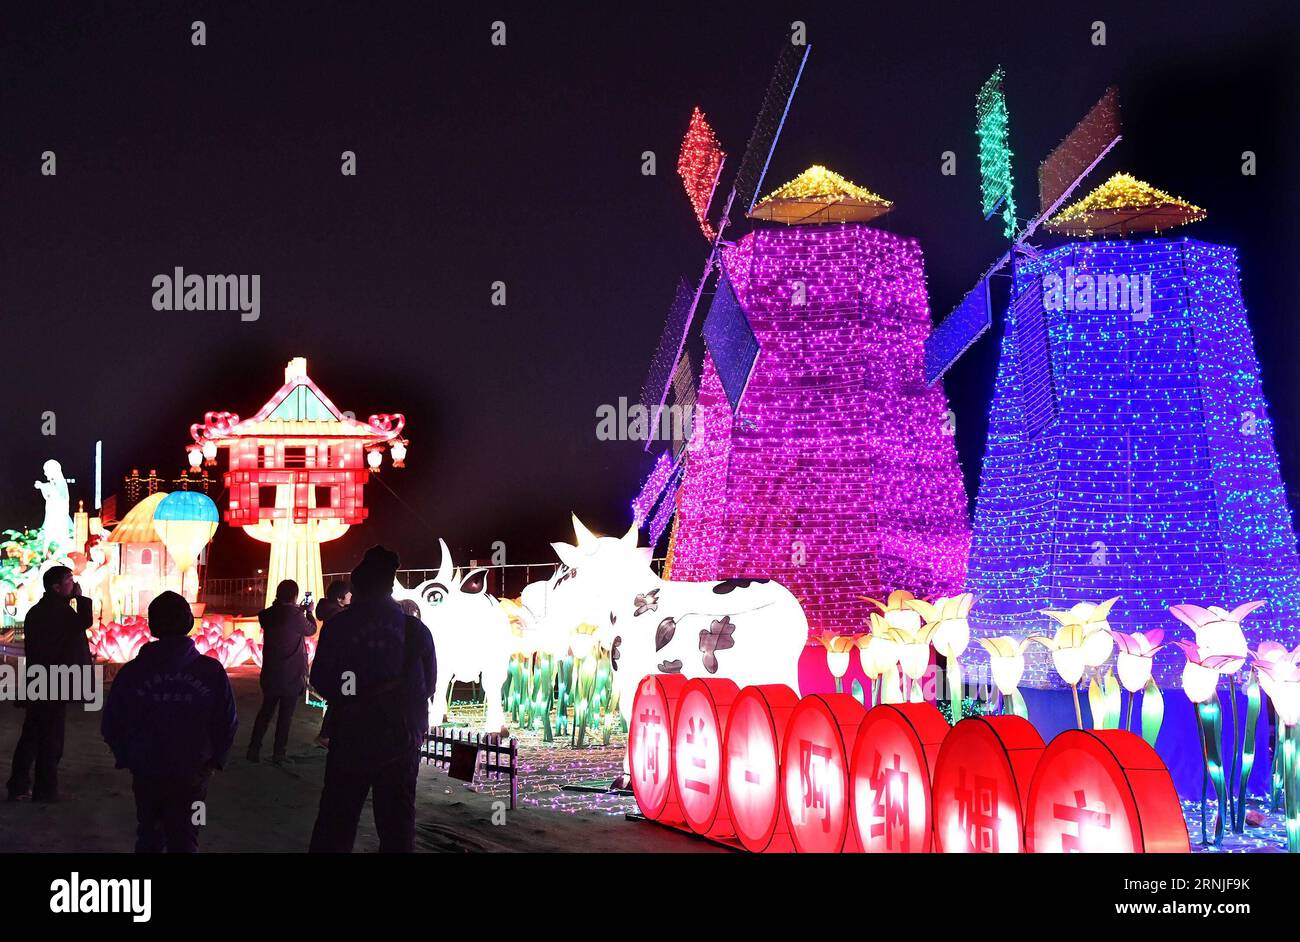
(298, 469)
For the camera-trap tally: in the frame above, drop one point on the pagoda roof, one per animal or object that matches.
(1123, 205)
(820, 195)
(299, 409)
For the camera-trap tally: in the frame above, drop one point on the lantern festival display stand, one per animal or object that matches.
(826, 775)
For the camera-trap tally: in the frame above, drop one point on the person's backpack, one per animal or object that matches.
(374, 728)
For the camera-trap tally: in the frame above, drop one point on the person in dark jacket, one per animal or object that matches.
(376, 669)
(337, 597)
(170, 719)
(55, 637)
(284, 668)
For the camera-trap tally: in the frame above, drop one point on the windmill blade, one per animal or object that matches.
(683, 394)
(767, 127)
(676, 332)
(667, 506)
(699, 164)
(730, 340)
(961, 328)
(1095, 134)
(670, 347)
(1033, 349)
(995, 151)
(655, 483)
(1075, 157)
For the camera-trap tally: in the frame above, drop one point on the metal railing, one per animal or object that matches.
(247, 596)
(504, 581)
(234, 596)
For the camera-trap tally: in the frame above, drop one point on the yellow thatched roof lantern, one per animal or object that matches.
(820, 195)
(1123, 205)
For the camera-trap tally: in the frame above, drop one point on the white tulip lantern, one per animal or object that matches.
(1007, 664)
(1136, 656)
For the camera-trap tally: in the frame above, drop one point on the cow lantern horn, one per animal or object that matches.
(586, 538)
(632, 536)
(445, 571)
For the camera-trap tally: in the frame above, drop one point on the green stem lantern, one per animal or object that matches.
(1247, 750)
(1291, 786)
(1210, 720)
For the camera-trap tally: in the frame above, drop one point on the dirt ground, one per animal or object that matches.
(261, 808)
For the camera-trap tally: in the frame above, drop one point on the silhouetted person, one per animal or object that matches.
(375, 667)
(55, 637)
(284, 667)
(337, 597)
(170, 719)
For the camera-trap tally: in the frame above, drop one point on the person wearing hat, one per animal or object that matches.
(376, 669)
(170, 719)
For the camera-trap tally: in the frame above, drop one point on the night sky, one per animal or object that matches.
(523, 164)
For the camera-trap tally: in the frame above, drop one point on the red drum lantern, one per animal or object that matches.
(981, 785)
(1103, 791)
(650, 746)
(815, 771)
(698, 731)
(893, 761)
(751, 766)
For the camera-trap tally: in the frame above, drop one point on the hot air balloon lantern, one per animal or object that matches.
(186, 521)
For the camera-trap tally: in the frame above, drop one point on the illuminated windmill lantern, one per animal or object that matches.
(816, 455)
(298, 469)
(1130, 452)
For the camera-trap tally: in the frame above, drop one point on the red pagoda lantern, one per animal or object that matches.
(297, 473)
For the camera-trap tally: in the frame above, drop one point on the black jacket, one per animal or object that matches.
(284, 655)
(55, 634)
(327, 607)
(170, 711)
(368, 641)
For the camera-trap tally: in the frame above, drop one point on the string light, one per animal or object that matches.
(820, 183)
(698, 164)
(654, 485)
(995, 151)
(1126, 202)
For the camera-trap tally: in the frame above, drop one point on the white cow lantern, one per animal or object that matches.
(471, 634)
(751, 631)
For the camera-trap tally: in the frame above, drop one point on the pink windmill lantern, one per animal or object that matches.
(298, 470)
